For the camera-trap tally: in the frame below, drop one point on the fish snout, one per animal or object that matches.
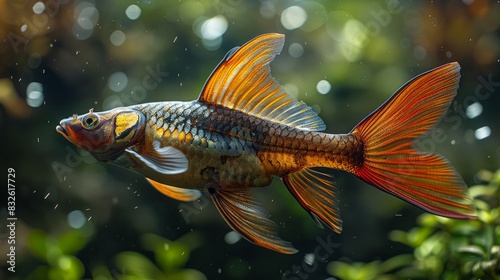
(65, 128)
(62, 130)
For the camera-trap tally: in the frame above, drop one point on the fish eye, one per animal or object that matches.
(90, 121)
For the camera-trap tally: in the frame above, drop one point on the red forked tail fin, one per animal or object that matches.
(390, 161)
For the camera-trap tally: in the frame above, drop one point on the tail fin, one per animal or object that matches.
(390, 161)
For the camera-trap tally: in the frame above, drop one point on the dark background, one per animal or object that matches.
(65, 57)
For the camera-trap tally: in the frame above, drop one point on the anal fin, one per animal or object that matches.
(245, 216)
(315, 192)
(174, 192)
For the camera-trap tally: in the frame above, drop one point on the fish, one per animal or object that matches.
(244, 129)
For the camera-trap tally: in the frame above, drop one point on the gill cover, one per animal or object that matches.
(127, 125)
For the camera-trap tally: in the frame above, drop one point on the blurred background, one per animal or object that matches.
(79, 218)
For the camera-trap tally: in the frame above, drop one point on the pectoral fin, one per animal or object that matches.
(164, 160)
(245, 216)
(174, 192)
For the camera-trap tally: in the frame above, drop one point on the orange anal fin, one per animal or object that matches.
(391, 162)
(245, 216)
(315, 192)
(174, 192)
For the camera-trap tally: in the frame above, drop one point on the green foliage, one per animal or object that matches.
(170, 257)
(57, 254)
(443, 248)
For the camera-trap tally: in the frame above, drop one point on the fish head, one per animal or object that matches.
(104, 134)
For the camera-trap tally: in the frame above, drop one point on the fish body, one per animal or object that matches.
(244, 129)
(232, 148)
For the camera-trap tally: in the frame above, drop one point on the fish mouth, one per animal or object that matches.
(62, 131)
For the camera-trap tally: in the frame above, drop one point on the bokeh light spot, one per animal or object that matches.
(232, 237)
(38, 8)
(76, 219)
(293, 17)
(87, 17)
(133, 12)
(213, 28)
(117, 38)
(474, 110)
(295, 50)
(419, 52)
(117, 81)
(482, 132)
(323, 87)
(34, 94)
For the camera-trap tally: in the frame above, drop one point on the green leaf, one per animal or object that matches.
(427, 220)
(170, 255)
(395, 262)
(192, 240)
(433, 246)
(416, 236)
(465, 227)
(187, 274)
(481, 205)
(496, 178)
(481, 190)
(485, 175)
(399, 236)
(495, 251)
(485, 216)
(136, 265)
(71, 242)
(101, 272)
(355, 271)
(37, 244)
(70, 267)
(472, 249)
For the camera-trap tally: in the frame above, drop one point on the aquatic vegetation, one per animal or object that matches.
(443, 248)
(170, 257)
(57, 254)
(59, 258)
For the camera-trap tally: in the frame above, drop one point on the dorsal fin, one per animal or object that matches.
(242, 81)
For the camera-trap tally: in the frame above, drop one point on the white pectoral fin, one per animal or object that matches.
(174, 192)
(164, 160)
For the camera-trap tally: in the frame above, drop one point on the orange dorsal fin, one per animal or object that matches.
(242, 81)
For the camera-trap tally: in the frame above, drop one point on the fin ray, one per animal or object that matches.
(314, 191)
(165, 160)
(242, 81)
(174, 192)
(245, 216)
(392, 164)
